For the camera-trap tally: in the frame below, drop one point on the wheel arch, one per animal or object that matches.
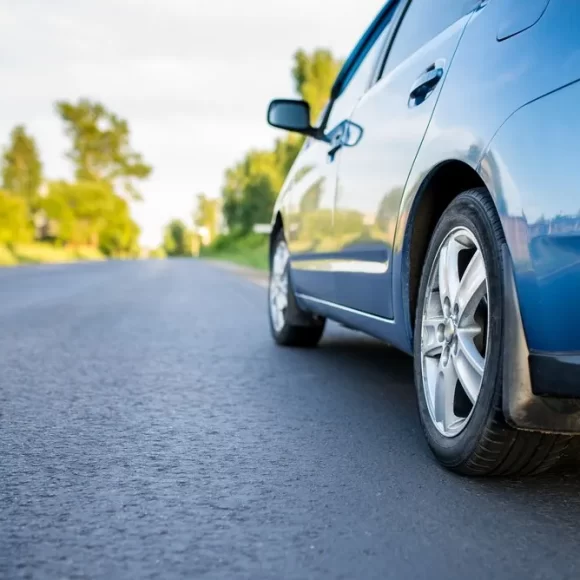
(277, 227)
(437, 190)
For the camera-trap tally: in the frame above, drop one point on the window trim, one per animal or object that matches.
(384, 57)
(357, 55)
(362, 48)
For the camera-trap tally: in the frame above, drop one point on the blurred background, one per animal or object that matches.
(136, 128)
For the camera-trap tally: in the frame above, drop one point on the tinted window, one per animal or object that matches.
(360, 76)
(423, 21)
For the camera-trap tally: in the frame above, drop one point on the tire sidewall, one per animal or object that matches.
(466, 211)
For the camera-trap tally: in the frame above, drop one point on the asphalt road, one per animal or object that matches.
(149, 428)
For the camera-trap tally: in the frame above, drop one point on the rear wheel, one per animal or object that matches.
(289, 325)
(458, 349)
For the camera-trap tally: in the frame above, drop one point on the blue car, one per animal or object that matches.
(436, 205)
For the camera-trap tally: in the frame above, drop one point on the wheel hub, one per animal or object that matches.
(449, 330)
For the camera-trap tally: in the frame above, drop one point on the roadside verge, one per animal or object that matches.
(255, 275)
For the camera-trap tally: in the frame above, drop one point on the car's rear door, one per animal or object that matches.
(393, 115)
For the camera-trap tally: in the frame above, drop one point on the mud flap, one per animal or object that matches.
(522, 409)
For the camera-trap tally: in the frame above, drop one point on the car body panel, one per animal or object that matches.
(541, 215)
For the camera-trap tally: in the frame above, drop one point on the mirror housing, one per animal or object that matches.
(291, 115)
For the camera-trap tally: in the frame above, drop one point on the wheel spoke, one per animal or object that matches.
(445, 394)
(431, 339)
(469, 365)
(280, 260)
(284, 285)
(282, 300)
(279, 286)
(279, 318)
(448, 270)
(472, 287)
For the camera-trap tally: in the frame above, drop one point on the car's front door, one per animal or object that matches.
(310, 213)
(393, 116)
(308, 221)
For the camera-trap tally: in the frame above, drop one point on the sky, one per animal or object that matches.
(192, 77)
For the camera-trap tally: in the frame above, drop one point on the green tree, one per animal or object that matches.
(250, 189)
(90, 214)
(314, 74)
(21, 165)
(79, 211)
(177, 239)
(101, 149)
(120, 234)
(15, 224)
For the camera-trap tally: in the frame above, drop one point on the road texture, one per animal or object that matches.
(150, 429)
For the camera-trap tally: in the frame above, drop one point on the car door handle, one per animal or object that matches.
(425, 84)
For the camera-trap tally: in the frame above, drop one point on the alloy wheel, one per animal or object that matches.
(454, 331)
(279, 286)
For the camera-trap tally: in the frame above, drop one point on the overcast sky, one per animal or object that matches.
(193, 77)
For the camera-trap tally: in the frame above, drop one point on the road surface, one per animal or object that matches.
(150, 429)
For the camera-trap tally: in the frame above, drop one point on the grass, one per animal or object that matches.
(37, 253)
(7, 258)
(250, 250)
(45, 253)
(88, 254)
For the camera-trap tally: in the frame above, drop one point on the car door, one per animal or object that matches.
(311, 185)
(308, 218)
(393, 116)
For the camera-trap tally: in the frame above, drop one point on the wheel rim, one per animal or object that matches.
(279, 286)
(454, 332)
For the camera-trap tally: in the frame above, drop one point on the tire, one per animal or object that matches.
(465, 427)
(289, 325)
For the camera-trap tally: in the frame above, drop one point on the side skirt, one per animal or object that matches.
(382, 328)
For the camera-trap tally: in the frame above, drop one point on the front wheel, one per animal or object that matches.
(289, 325)
(458, 349)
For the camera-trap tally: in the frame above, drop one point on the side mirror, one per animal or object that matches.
(290, 115)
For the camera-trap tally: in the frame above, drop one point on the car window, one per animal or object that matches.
(423, 21)
(361, 74)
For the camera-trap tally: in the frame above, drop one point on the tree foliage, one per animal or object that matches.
(21, 165)
(177, 239)
(15, 225)
(100, 149)
(87, 214)
(90, 214)
(314, 74)
(120, 234)
(252, 185)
